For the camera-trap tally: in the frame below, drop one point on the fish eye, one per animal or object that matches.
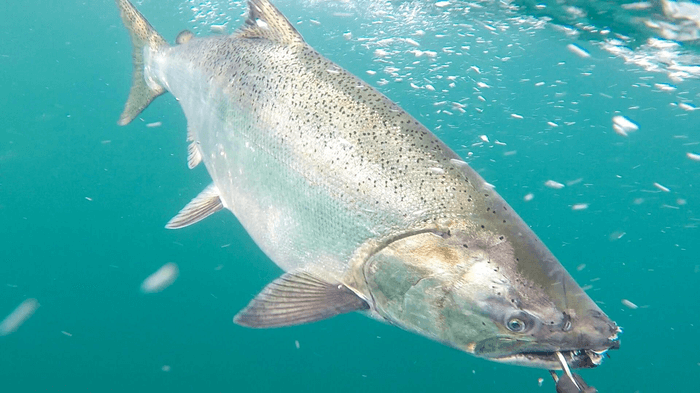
(520, 322)
(516, 325)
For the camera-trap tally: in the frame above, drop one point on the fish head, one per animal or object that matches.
(500, 298)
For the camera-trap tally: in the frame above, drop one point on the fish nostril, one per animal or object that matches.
(566, 324)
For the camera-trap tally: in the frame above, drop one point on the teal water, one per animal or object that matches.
(83, 201)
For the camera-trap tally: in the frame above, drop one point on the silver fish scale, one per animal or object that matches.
(312, 160)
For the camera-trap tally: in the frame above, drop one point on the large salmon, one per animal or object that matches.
(362, 206)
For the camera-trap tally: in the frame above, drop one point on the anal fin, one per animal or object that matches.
(205, 204)
(297, 298)
(194, 155)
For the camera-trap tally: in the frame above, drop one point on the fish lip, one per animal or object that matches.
(578, 358)
(546, 357)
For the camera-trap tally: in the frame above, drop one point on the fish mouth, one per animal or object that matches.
(579, 358)
(544, 357)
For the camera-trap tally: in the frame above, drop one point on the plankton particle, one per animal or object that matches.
(579, 206)
(161, 279)
(553, 184)
(629, 304)
(662, 188)
(578, 51)
(218, 29)
(17, 317)
(624, 125)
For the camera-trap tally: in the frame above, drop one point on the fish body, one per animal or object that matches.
(362, 206)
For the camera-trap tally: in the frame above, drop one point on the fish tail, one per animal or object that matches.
(143, 35)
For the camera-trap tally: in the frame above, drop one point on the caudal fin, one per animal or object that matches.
(142, 35)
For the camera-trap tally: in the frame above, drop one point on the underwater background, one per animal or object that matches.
(525, 91)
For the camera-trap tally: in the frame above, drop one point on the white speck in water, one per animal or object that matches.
(370, 72)
(581, 267)
(88, 198)
(579, 206)
(296, 344)
(553, 184)
(540, 381)
(219, 29)
(687, 107)
(347, 36)
(693, 156)
(154, 124)
(165, 368)
(315, 22)
(664, 87)
(380, 52)
(515, 116)
(429, 87)
(528, 197)
(617, 235)
(484, 138)
(17, 317)
(623, 125)
(578, 51)
(411, 42)
(161, 279)
(442, 4)
(642, 5)
(629, 304)
(662, 188)
(65, 333)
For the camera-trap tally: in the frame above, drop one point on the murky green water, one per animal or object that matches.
(83, 202)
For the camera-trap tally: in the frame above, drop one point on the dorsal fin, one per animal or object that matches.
(184, 37)
(266, 21)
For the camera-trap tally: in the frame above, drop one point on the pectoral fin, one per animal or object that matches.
(201, 207)
(194, 155)
(297, 298)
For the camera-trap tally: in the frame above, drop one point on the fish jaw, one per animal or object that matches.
(463, 288)
(578, 350)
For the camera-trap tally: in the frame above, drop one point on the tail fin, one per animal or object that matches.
(142, 35)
